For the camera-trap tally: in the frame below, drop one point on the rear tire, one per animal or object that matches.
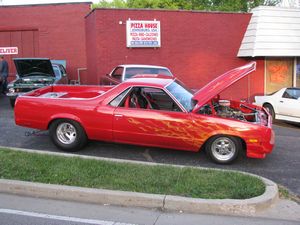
(67, 135)
(270, 109)
(223, 149)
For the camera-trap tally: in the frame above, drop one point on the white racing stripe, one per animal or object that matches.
(62, 218)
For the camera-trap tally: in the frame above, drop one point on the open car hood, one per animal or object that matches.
(221, 83)
(34, 67)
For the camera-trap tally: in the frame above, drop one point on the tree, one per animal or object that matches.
(110, 4)
(153, 4)
(208, 5)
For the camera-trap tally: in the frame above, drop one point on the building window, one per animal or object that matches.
(279, 73)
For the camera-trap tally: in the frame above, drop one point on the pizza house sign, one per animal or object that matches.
(143, 33)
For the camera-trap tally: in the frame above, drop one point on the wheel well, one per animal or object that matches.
(53, 120)
(228, 135)
(267, 103)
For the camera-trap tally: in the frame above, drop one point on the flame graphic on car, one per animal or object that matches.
(193, 133)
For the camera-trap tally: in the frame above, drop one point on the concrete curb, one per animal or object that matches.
(78, 194)
(123, 198)
(225, 206)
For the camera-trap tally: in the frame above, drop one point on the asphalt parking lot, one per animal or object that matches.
(281, 166)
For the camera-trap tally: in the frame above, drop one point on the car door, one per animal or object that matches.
(289, 104)
(163, 124)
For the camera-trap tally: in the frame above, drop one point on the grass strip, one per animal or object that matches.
(188, 182)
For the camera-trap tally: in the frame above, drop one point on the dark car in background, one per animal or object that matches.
(34, 73)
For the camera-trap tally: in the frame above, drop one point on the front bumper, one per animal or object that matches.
(262, 148)
(15, 94)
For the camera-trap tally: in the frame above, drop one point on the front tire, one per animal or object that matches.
(67, 135)
(12, 102)
(270, 109)
(223, 149)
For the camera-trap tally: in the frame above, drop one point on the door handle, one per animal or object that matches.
(281, 101)
(118, 115)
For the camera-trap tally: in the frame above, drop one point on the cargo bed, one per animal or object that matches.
(69, 92)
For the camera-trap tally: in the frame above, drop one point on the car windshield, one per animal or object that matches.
(56, 71)
(183, 95)
(130, 72)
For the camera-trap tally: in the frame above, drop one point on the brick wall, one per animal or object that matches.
(59, 32)
(196, 46)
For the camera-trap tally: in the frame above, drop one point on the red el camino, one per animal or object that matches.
(149, 111)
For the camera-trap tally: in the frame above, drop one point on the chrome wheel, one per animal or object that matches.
(66, 133)
(223, 149)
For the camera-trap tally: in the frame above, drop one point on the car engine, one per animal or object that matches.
(227, 112)
(223, 109)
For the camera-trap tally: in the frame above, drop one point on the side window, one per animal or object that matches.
(63, 71)
(149, 98)
(290, 93)
(117, 74)
(117, 100)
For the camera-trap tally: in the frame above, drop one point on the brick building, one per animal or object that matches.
(197, 46)
(54, 31)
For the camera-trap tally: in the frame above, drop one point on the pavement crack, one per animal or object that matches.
(164, 202)
(147, 155)
(156, 219)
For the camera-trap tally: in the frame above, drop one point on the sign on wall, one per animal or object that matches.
(8, 50)
(279, 73)
(143, 33)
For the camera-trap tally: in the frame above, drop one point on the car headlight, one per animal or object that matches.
(11, 90)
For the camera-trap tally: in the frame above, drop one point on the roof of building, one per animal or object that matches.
(272, 31)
